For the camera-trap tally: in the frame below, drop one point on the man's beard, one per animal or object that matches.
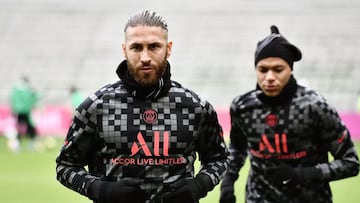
(147, 80)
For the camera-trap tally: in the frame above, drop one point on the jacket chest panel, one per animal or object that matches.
(159, 125)
(289, 128)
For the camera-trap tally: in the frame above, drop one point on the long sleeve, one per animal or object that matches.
(338, 141)
(237, 146)
(212, 149)
(77, 150)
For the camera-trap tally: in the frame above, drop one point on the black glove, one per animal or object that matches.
(123, 191)
(188, 190)
(284, 174)
(227, 190)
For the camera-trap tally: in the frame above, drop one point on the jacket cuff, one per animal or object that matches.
(94, 190)
(205, 182)
(309, 173)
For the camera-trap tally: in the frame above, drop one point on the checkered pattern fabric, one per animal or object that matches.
(117, 136)
(299, 134)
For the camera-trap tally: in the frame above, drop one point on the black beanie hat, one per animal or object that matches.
(275, 45)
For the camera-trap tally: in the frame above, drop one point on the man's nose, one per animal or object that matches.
(270, 75)
(145, 57)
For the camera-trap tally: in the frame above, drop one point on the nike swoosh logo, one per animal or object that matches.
(285, 181)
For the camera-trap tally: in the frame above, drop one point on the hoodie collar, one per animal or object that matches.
(151, 92)
(284, 97)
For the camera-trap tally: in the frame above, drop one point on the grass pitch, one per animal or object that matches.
(30, 177)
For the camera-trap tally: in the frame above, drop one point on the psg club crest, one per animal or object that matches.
(150, 116)
(271, 120)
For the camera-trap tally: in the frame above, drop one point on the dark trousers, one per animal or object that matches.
(24, 125)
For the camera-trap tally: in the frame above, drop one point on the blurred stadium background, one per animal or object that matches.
(58, 44)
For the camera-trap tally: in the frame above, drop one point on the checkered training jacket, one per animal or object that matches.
(118, 135)
(299, 133)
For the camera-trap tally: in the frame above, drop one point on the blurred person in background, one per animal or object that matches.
(139, 136)
(76, 97)
(288, 131)
(23, 100)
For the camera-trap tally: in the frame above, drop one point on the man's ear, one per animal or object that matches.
(124, 50)
(169, 48)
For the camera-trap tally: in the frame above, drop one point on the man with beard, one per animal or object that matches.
(288, 131)
(139, 136)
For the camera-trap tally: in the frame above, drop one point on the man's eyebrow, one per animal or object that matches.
(155, 43)
(262, 66)
(134, 44)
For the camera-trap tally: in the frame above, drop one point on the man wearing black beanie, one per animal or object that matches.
(275, 45)
(287, 131)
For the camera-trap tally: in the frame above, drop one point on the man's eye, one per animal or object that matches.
(154, 46)
(263, 70)
(136, 48)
